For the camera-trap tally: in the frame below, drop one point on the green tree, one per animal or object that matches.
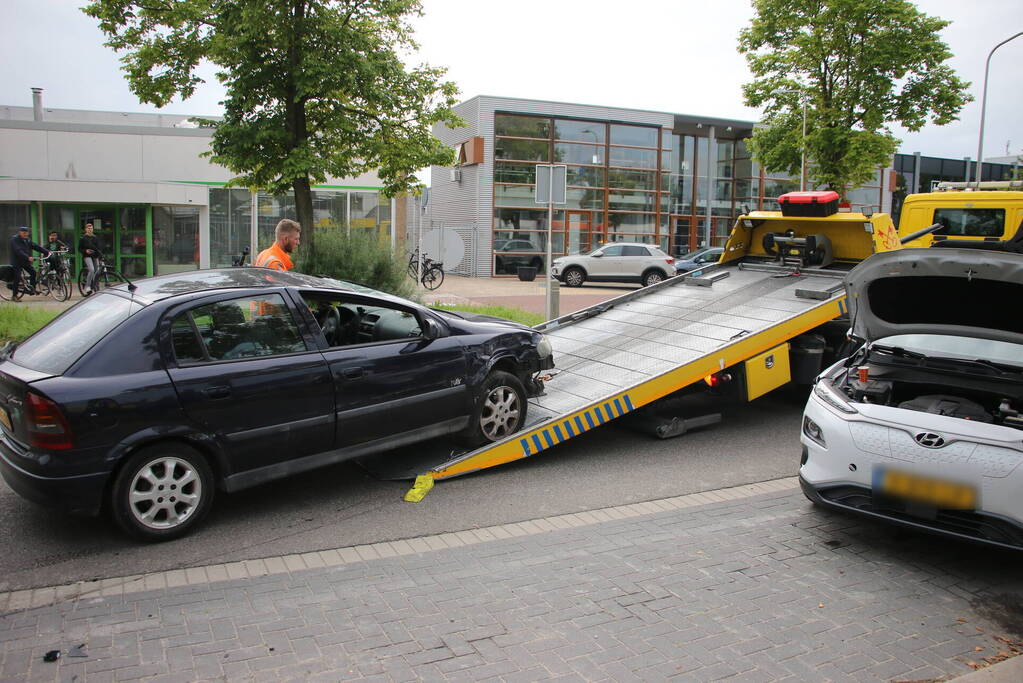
(861, 65)
(315, 88)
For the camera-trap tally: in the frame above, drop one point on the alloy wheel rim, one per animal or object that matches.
(164, 493)
(574, 277)
(500, 413)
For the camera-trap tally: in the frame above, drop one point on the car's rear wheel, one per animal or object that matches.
(500, 409)
(162, 492)
(574, 276)
(652, 277)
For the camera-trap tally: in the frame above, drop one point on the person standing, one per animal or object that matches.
(91, 255)
(21, 259)
(55, 244)
(287, 237)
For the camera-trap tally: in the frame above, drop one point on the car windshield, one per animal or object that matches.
(689, 256)
(54, 348)
(956, 347)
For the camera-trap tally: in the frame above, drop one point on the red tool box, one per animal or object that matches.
(809, 204)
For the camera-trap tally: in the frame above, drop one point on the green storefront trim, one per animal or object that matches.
(150, 269)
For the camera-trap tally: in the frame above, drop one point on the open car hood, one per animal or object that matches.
(963, 292)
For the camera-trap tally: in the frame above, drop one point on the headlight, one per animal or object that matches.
(813, 431)
(543, 348)
(824, 392)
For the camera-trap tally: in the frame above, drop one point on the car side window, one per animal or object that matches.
(345, 322)
(613, 250)
(635, 251)
(248, 327)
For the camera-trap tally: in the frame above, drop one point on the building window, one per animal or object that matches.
(175, 239)
(230, 225)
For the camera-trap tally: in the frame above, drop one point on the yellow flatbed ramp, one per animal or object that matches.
(618, 356)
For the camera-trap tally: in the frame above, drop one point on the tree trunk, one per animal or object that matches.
(304, 209)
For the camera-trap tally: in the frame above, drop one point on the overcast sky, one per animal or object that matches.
(665, 55)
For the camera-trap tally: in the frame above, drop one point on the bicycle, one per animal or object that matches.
(432, 272)
(55, 282)
(7, 284)
(106, 276)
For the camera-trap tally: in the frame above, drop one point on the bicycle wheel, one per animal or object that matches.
(6, 282)
(433, 277)
(108, 277)
(83, 275)
(43, 284)
(65, 285)
(58, 287)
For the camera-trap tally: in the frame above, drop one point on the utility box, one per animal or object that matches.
(767, 371)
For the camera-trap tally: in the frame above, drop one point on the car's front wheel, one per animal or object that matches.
(500, 409)
(652, 277)
(162, 492)
(574, 276)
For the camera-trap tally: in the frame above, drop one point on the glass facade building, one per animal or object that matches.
(673, 180)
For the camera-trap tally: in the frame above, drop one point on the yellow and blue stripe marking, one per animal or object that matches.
(573, 426)
(843, 306)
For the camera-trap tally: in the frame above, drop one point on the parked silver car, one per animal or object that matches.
(615, 262)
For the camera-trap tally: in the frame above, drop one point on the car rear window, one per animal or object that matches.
(57, 346)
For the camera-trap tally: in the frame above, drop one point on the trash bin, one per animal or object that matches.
(527, 273)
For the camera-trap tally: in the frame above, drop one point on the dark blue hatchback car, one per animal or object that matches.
(145, 401)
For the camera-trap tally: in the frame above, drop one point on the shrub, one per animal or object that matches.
(359, 256)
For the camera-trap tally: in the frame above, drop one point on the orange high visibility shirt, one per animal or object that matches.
(274, 257)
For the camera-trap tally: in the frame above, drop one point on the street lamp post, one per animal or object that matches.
(983, 108)
(802, 145)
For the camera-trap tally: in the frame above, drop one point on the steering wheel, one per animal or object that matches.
(331, 326)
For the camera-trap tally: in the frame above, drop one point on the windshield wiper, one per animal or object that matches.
(898, 351)
(997, 367)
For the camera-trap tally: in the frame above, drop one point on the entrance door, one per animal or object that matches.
(683, 235)
(102, 220)
(580, 232)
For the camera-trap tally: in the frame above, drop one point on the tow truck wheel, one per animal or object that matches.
(574, 276)
(500, 410)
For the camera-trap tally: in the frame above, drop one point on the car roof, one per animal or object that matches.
(628, 244)
(188, 282)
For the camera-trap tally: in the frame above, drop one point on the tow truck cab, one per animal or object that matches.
(981, 212)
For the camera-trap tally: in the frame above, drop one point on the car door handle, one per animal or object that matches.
(351, 373)
(217, 392)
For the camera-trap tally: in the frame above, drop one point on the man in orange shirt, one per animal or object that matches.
(287, 237)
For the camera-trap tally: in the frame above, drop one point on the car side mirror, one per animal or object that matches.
(431, 329)
(598, 254)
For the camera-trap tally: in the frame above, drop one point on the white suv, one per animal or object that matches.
(922, 425)
(615, 262)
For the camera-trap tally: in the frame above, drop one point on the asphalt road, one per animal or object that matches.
(343, 505)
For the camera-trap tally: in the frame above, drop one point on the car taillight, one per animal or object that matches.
(46, 425)
(669, 260)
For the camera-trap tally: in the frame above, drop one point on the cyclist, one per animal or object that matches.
(21, 259)
(91, 255)
(54, 244)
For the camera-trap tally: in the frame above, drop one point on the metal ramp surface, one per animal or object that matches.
(624, 353)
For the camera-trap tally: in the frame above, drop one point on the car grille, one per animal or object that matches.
(970, 524)
(898, 444)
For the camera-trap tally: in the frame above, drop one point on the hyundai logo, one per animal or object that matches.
(929, 440)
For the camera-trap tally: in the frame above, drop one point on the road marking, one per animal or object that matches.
(13, 601)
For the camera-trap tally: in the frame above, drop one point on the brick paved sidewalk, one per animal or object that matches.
(739, 583)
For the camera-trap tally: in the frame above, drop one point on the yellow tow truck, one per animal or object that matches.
(757, 318)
